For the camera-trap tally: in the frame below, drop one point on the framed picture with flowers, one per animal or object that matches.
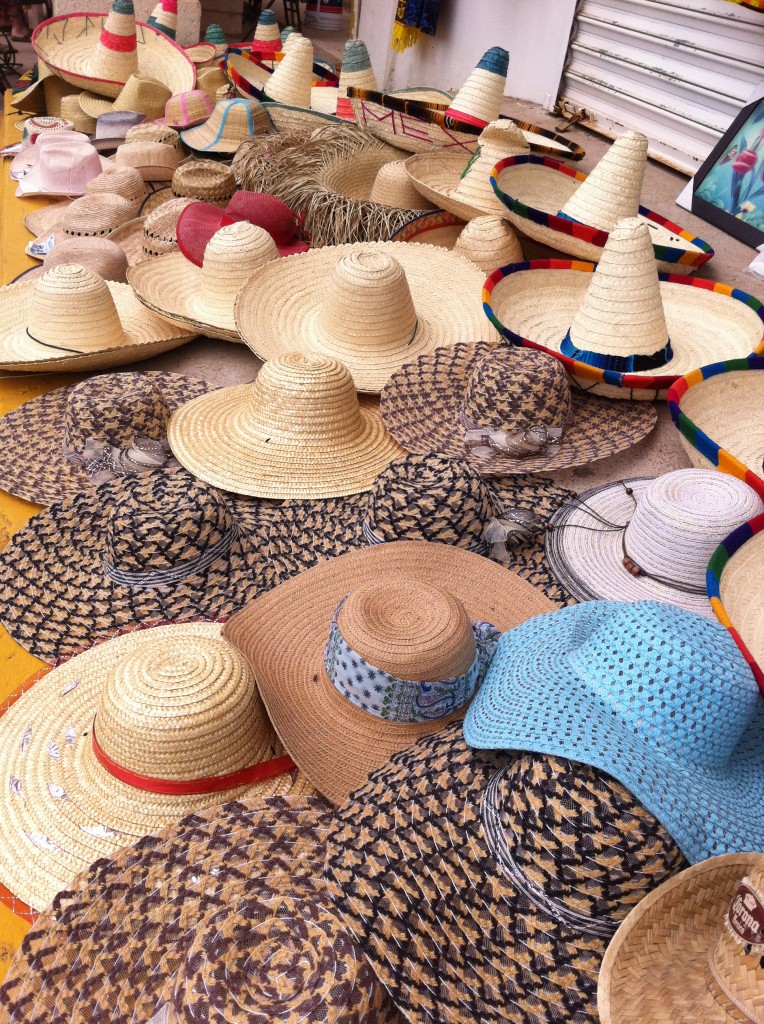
(728, 190)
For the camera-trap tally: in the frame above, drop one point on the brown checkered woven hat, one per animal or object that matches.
(222, 916)
(486, 887)
(507, 410)
(74, 438)
(158, 545)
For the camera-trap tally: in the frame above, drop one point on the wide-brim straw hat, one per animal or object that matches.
(99, 254)
(706, 406)
(89, 324)
(230, 123)
(372, 305)
(676, 958)
(488, 242)
(299, 431)
(422, 407)
(668, 526)
(34, 464)
(151, 235)
(287, 652)
(67, 44)
(141, 93)
(300, 120)
(121, 181)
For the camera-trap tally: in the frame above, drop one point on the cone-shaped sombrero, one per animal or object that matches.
(356, 69)
(164, 17)
(98, 53)
(479, 99)
(292, 78)
(267, 37)
(621, 329)
(487, 241)
(574, 212)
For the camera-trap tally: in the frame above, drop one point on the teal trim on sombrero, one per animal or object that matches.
(496, 60)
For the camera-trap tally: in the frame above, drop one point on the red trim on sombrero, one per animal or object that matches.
(121, 44)
(477, 121)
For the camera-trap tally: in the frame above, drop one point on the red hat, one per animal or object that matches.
(200, 221)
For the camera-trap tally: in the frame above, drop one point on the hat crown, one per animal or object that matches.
(97, 214)
(356, 69)
(181, 709)
(291, 82)
(115, 56)
(735, 973)
(479, 99)
(66, 166)
(667, 676)
(187, 107)
(489, 242)
(151, 132)
(204, 179)
(267, 28)
(215, 34)
(393, 187)
(102, 255)
(73, 310)
(121, 181)
(232, 256)
(159, 228)
(113, 409)
(498, 140)
(144, 94)
(612, 190)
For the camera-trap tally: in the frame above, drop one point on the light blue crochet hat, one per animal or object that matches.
(656, 696)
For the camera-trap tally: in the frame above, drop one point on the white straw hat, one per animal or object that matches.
(648, 539)
(299, 431)
(291, 81)
(374, 306)
(480, 98)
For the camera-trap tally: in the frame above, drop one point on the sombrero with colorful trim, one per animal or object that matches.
(573, 212)
(164, 17)
(621, 329)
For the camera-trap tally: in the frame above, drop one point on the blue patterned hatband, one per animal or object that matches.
(402, 700)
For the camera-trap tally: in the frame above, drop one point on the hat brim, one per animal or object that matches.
(438, 383)
(656, 967)
(94, 105)
(129, 237)
(299, 120)
(34, 465)
(278, 310)
(67, 42)
(155, 199)
(534, 303)
(335, 743)
(30, 186)
(735, 581)
(438, 228)
(43, 221)
(437, 177)
(145, 334)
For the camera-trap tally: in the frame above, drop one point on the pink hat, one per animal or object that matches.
(200, 221)
(27, 158)
(186, 109)
(63, 169)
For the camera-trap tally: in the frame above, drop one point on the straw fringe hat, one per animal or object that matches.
(230, 123)
(411, 299)
(175, 704)
(690, 951)
(141, 93)
(409, 610)
(298, 431)
(153, 235)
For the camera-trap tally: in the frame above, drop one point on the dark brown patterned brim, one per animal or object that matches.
(220, 917)
(421, 406)
(486, 887)
(33, 464)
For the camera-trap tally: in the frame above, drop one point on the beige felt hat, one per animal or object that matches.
(72, 111)
(90, 216)
(155, 160)
(691, 950)
(152, 235)
(140, 93)
(116, 742)
(99, 254)
(202, 298)
(463, 186)
(230, 123)
(292, 78)
(71, 319)
(374, 306)
(298, 431)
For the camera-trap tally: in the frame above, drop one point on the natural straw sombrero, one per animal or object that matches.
(203, 299)
(692, 950)
(390, 644)
(356, 72)
(620, 329)
(488, 242)
(99, 53)
(95, 216)
(292, 77)
(300, 431)
(73, 320)
(373, 305)
(99, 254)
(164, 17)
(141, 93)
(153, 235)
(123, 739)
(648, 538)
(230, 123)
(505, 410)
(139, 548)
(486, 887)
(74, 438)
(574, 212)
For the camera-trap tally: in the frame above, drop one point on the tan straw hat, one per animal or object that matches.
(72, 111)
(389, 645)
(299, 431)
(151, 131)
(122, 740)
(73, 320)
(90, 216)
(102, 255)
(373, 305)
(203, 298)
(44, 94)
(230, 123)
(480, 98)
(204, 181)
(735, 583)
(140, 93)
(356, 70)
(188, 109)
(691, 950)
(208, 81)
(463, 185)
(622, 332)
(292, 78)
(489, 242)
(437, 228)
(155, 160)
(152, 235)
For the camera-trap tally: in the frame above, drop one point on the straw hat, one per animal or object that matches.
(355, 70)
(73, 438)
(165, 721)
(33, 128)
(147, 547)
(691, 950)
(267, 37)
(62, 169)
(417, 621)
(200, 53)
(489, 242)
(574, 212)
(512, 872)
(299, 120)
(654, 695)
(72, 111)
(648, 538)
(506, 410)
(463, 186)
(200, 221)
(208, 81)
(480, 99)
(98, 254)
(155, 160)
(298, 431)
(375, 306)
(40, 91)
(292, 78)
(187, 109)
(91, 216)
(164, 17)
(73, 320)
(200, 180)
(437, 228)
(229, 124)
(203, 299)
(152, 235)
(124, 182)
(247, 73)
(620, 330)
(140, 93)
(214, 34)
(152, 131)
(228, 940)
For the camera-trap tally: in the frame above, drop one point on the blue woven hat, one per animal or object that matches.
(656, 696)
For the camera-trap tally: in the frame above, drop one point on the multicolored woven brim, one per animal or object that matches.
(663, 253)
(582, 372)
(323, 73)
(418, 228)
(425, 125)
